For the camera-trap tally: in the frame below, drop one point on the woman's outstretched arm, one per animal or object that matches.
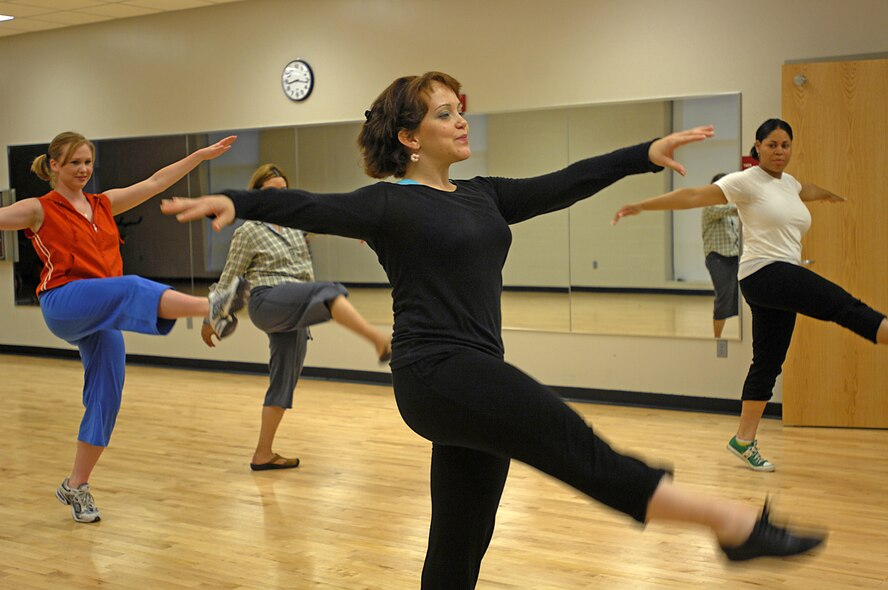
(520, 199)
(812, 192)
(218, 207)
(357, 214)
(124, 199)
(683, 198)
(25, 214)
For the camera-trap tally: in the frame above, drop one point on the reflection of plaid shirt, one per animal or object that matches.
(721, 230)
(267, 256)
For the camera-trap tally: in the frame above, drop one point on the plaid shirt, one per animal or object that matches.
(267, 256)
(721, 230)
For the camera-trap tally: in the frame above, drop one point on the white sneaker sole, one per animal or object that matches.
(238, 301)
(767, 468)
(67, 502)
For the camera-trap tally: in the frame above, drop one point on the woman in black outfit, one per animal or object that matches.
(443, 244)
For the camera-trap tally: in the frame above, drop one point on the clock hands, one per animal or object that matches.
(297, 79)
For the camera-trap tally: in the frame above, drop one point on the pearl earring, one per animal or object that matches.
(414, 157)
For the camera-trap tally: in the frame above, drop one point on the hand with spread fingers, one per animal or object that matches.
(219, 207)
(663, 149)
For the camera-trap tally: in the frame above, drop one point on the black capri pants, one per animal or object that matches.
(480, 412)
(775, 294)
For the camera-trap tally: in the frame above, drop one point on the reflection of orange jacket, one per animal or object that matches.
(71, 247)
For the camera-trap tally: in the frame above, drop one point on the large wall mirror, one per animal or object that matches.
(570, 271)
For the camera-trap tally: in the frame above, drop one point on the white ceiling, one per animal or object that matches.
(41, 15)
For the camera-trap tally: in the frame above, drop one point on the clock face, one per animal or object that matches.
(297, 80)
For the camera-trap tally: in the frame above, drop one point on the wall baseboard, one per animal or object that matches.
(643, 290)
(641, 399)
(662, 401)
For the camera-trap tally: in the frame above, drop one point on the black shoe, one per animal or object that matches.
(386, 355)
(770, 540)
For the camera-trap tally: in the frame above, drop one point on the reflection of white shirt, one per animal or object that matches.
(773, 215)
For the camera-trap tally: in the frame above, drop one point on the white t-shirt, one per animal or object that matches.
(773, 215)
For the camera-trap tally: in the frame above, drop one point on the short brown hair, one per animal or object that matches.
(60, 149)
(264, 173)
(400, 106)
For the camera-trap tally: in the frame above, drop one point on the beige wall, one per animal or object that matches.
(218, 68)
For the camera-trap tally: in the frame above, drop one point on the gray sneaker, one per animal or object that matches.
(224, 303)
(83, 506)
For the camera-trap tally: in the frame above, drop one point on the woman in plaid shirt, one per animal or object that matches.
(721, 246)
(284, 302)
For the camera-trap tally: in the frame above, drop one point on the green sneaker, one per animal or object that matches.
(750, 455)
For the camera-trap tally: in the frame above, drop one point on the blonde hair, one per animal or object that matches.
(264, 173)
(60, 150)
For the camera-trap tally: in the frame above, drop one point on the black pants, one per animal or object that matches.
(776, 293)
(480, 412)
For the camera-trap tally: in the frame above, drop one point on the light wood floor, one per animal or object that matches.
(182, 510)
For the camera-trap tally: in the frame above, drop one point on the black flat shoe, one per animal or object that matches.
(769, 540)
(386, 355)
(273, 464)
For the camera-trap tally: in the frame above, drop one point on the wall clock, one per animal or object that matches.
(297, 79)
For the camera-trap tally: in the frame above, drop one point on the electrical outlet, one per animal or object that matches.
(721, 349)
(189, 323)
(594, 265)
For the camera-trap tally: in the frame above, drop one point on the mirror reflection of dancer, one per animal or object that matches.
(84, 297)
(443, 244)
(284, 302)
(721, 246)
(772, 209)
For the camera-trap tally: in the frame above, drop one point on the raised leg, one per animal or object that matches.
(345, 314)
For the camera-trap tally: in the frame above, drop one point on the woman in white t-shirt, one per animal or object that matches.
(775, 285)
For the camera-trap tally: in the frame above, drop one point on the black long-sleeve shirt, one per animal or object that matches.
(443, 251)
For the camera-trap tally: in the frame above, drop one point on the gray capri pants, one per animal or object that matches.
(723, 270)
(285, 312)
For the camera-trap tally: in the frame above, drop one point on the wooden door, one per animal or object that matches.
(839, 113)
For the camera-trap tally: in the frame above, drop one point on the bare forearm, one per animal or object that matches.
(683, 198)
(169, 175)
(812, 192)
(123, 199)
(158, 182)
